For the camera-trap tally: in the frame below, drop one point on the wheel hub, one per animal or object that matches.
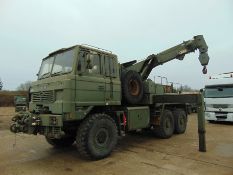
(181, 121)
(101, 137)
(168, 123)
(134, 87)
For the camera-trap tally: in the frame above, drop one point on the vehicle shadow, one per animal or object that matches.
(126, 143)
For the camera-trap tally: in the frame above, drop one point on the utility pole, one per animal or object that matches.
(180, 86)
(161, 78)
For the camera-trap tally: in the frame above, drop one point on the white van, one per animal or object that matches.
(218, 96)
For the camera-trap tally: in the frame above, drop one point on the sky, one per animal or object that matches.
(132, 29)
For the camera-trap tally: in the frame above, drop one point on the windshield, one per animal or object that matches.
(58, 64)
(63, 62)
(219, 92)
(46, 67)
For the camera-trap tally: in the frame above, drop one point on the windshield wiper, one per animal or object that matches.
(57, 73)
(44, 75)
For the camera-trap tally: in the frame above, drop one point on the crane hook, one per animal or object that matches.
(204, 70)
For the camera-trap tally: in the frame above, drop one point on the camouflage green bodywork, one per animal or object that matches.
(60, 100)
(138, 117)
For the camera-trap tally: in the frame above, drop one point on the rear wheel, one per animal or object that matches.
(189, 110)
(166, 126)
(96, 136)
(180, 119)
(62, 142)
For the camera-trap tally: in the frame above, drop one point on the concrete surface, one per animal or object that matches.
(139, 153)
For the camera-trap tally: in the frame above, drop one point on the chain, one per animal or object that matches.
(14, 144)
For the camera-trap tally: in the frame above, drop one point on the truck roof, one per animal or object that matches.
(83, 46)
(220, 79)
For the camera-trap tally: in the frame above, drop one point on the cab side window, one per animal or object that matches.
(93, 63)
(110, 67)
(113, 67)
(97, 64)
(82, 62)
(107, 67)
(89, 63)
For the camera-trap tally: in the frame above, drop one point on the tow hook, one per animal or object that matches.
(204, 70)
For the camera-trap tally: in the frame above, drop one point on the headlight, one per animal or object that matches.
(207, 115)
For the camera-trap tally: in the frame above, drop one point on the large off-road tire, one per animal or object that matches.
(60, 143)
(180, 119)
(96, 136)
(166, 128)
(132, 87)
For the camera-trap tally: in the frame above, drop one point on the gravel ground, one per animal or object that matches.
(139, 153)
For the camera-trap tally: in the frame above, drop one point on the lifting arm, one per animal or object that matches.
(145, 67)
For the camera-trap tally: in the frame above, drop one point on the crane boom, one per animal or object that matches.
(145, 67)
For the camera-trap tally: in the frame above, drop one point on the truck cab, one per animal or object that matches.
(71, 79)
(219, 98)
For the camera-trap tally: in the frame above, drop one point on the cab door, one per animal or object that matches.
(112, 82)
(90, 82)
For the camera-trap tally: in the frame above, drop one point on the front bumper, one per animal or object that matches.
(213, 116)
(45, 124)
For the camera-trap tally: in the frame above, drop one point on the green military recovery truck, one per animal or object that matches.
(84, 95)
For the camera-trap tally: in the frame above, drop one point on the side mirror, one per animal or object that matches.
(202, 91)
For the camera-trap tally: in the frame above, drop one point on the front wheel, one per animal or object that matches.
(96, 136)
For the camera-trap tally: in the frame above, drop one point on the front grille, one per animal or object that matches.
(222, 117)
(220, 106)
(221, 113)
(43, 96)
